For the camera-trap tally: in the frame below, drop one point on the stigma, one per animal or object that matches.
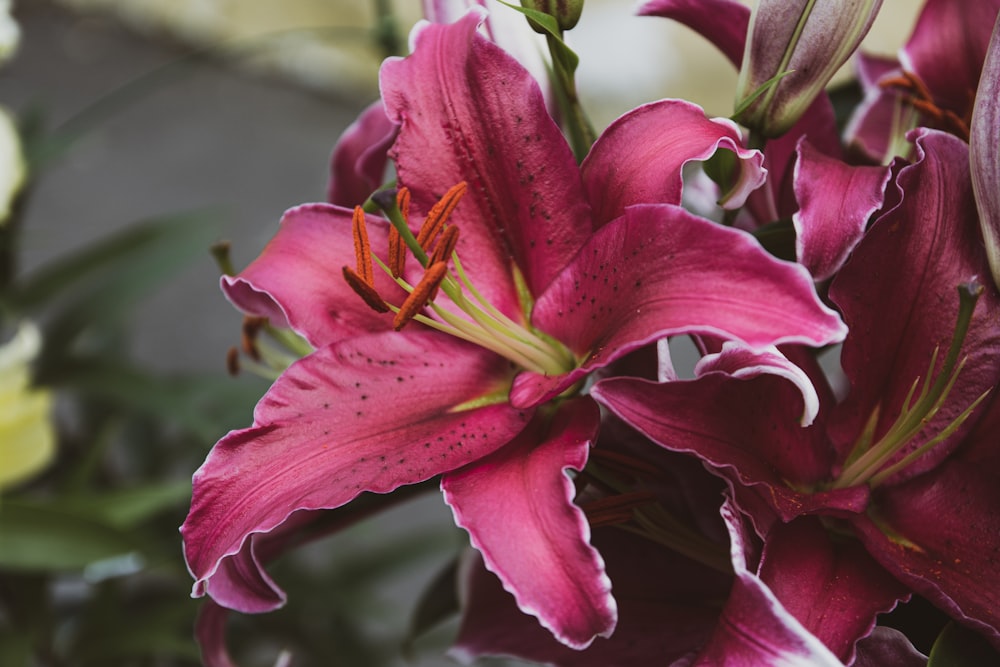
(434, 247)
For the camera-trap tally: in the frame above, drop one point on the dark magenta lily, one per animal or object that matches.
(907, 462)
(558, 271)
(932, 83)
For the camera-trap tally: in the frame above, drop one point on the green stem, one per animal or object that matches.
(578, 126)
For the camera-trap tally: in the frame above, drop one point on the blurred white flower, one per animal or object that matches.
(10, 32)
(12, 167)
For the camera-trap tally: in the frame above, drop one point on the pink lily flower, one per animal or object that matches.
(907, 462)
(932, 83)
(558, 271)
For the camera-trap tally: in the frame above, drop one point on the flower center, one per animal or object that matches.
(916, 94)
(478, 321)
(868, 460)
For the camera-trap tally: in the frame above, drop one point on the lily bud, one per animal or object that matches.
(565, 12)
(984, 152)
(794, 48)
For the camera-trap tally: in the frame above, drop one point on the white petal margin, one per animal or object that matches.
(740, 361)
(803, 649)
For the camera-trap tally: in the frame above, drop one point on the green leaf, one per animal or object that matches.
(130, 507)
(15, 649)
(438, 602)
(958, 646)
(98, 286)
(204, 405)
(36, 537)
(763, 88)
(567, 56)
(149, 244)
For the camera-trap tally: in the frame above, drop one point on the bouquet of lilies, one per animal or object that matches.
(486, 301)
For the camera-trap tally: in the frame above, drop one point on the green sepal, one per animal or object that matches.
(763, 88)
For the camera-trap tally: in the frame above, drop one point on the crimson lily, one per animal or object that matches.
(558, 271)
(907, 463)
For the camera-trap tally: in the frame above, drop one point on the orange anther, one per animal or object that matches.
(438, 214)
(403, 202)
(445, 245)
(397, 253)
(362, 248)
(365, 290)
(421, 294)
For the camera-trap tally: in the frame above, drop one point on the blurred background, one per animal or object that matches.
(152, 129)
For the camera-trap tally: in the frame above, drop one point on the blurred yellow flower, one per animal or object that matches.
(27, 439)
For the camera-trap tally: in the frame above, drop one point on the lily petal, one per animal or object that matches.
(739, 361)
(722, 22)
(919, 253)
(297, 281)
(359, 160)
(683, 274)
(937, 532)
(664, 601)
(636, 162)
(755, 628)
(833, 588)
(836, 200)
(469, 112)
(518, 508)
(758, 443)
(879, 124)
(951, 73)
(888, 646)
(370, 413)
(985, 158)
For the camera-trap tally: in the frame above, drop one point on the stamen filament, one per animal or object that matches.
(509, 325)
(523, 354)
(930, 444)
(916, 413)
